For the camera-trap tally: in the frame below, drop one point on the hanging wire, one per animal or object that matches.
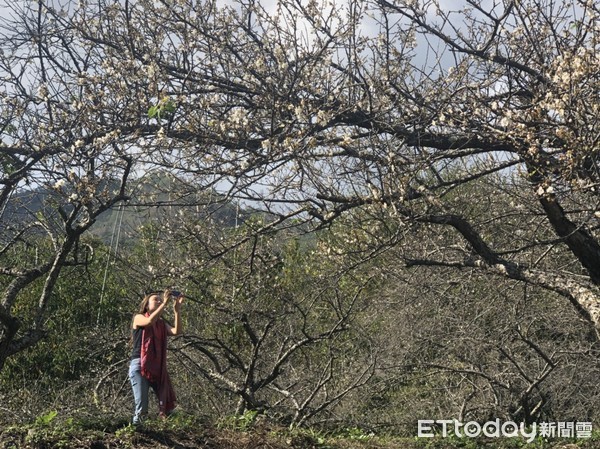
(235, 277)
(113, 240)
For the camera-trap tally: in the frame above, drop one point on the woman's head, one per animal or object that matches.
(151, 302)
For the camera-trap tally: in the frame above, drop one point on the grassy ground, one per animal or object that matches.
(189, 432)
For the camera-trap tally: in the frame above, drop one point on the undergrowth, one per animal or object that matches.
(186, 431)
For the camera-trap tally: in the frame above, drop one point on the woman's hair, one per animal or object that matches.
(143, 308)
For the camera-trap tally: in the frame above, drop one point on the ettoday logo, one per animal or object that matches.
(428, 428)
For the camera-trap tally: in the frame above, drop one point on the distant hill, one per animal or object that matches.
(148, 202)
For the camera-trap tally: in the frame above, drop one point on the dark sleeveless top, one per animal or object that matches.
(137, 343)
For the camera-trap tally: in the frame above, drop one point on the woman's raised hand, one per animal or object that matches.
(178, 301)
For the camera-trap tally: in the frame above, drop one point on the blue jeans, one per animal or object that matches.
(140, 387)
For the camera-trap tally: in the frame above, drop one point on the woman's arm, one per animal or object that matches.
(142, 321)
(178, 328)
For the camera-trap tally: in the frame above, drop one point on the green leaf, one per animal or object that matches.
(153, 111)
(168, 106)
(46, 419)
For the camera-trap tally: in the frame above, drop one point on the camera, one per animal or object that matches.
(175, 293)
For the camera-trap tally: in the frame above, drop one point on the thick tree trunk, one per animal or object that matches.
(583, 245)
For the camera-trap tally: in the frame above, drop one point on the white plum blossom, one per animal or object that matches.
(59, 184)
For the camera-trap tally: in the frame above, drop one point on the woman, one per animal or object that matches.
(148, 366)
